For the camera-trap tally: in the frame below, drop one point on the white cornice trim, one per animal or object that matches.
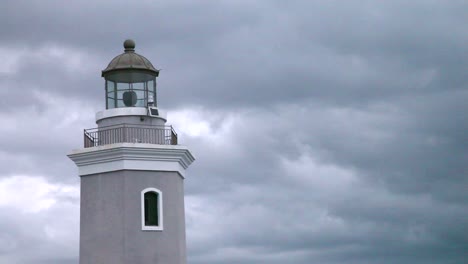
(132, 156)
(128, 111)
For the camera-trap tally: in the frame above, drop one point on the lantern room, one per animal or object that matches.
(130, 80)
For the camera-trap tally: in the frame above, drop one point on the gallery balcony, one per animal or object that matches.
(128, 133)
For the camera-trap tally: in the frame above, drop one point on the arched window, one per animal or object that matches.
(151, 209)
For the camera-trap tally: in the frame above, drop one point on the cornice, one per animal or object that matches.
(132, 156)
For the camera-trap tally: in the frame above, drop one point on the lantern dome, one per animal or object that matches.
(130, 60)
(130, 80)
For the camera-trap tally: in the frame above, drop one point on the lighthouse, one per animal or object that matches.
(132, 171)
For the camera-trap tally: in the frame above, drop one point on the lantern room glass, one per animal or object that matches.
(129, 89)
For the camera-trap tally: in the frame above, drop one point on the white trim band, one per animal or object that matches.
(128, 111)
(132, 156)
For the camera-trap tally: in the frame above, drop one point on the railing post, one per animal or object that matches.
(124, 134)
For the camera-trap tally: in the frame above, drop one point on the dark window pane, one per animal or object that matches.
(146, 211)
(151, 209)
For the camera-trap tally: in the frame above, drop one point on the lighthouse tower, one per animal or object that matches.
(132, 172)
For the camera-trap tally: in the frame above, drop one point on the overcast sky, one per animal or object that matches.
(324, 131)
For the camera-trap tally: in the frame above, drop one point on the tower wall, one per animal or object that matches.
(110, 224)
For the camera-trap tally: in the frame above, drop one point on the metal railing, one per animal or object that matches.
(127, 133)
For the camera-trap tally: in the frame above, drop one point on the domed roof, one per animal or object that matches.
(129, 60)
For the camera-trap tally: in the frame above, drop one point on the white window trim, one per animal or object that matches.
(160, 210)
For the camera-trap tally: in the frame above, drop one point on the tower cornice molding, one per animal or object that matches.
(132, 156)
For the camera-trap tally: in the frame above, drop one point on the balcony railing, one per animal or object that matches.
(127, 133)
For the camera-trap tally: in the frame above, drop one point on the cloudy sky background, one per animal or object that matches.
(324, 131)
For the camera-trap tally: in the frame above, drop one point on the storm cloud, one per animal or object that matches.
(324, 131)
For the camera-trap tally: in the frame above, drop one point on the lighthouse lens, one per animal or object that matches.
(129, 98)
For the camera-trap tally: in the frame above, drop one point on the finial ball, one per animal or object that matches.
(129, 44)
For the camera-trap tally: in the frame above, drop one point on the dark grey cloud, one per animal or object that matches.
(338, 192)
(329, 131)
(251, 53)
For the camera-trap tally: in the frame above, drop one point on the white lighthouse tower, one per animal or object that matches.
(132, 172)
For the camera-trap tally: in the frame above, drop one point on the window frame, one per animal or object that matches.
(145, 227)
